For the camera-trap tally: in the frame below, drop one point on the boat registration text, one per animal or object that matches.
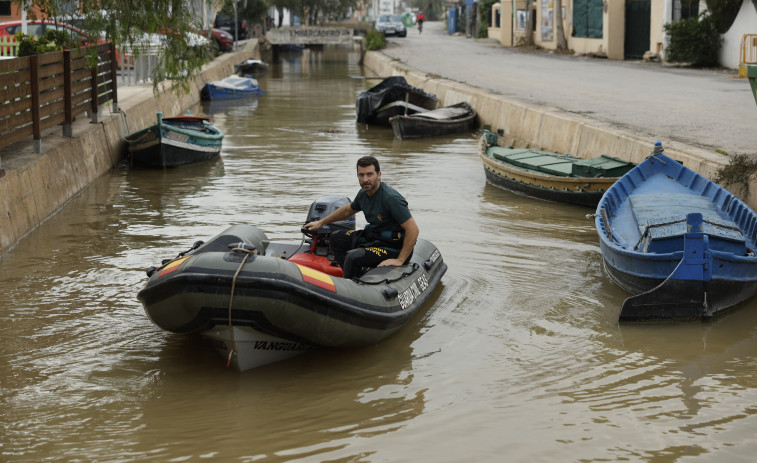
(408, 296)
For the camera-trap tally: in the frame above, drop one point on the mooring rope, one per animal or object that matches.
(248, 253)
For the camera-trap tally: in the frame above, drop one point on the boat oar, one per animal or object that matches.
(367, 78)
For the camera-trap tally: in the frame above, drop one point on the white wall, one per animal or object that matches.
(745, 23)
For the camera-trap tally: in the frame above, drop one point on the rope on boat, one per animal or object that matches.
(658, 149)
(247, 253)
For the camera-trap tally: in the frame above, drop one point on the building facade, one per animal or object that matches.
(616, 29)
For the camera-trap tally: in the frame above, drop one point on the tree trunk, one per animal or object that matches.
(562, 44)
(529, 23)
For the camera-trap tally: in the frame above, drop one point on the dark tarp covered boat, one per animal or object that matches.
(393, 96)
(680, 242)
(260, 301)
(452, 119)
(550, 176)
(175, 141)
(251, 67)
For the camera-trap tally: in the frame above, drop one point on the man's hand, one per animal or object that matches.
(312, 226)
(390, 262)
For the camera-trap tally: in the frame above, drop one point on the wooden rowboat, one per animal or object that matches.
(680, 242)
(457, 118)
(550, 176)
(175, 141)
(393, 96)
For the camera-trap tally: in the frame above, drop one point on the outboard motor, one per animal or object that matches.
(321, 208)
(319, 256)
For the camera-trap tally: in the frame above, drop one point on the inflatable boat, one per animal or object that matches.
(260, 301)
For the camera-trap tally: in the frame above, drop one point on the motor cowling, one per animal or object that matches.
(325, 205)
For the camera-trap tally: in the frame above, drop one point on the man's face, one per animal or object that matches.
(369, 179)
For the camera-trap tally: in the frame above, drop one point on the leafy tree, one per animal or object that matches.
(252, 11)
(128, 22)
(723, 13)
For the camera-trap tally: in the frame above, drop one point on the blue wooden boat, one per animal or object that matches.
(175, 141)
(680, 242)
(231, 88)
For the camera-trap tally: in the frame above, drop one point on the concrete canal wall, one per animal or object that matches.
(36, 186)
(551, 129)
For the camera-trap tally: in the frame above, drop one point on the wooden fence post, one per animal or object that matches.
(36, 131)
(94, 106)
(114, 76)
(68, 130)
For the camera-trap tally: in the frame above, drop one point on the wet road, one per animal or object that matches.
(518, 357)
(710, 109)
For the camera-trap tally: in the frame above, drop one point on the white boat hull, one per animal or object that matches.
(253, 348)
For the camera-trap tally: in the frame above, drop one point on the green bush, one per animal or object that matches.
(693, 40)
(485, 18)
(51, 41)
(374, 40)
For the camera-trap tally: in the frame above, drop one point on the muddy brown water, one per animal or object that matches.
(518, 357)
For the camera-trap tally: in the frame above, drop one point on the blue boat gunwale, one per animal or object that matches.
(726, 202)
(218, 135)
(195, 133)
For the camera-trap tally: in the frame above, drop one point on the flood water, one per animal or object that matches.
(518, 357)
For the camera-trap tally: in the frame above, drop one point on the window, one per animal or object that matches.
(5, 8)
(587, 19)
(684, 9)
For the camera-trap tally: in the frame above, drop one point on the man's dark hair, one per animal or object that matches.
(366, 161)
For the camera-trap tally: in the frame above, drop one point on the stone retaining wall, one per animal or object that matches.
(550, 129)
(36, 186)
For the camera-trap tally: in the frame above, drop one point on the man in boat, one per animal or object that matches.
(391, 232)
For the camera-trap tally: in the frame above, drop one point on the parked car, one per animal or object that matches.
(391, 25)
(222, 39)
(226, 23)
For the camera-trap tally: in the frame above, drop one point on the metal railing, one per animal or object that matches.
(747, 53)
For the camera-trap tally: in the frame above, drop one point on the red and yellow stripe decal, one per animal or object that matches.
(314, 277)
(172, 266)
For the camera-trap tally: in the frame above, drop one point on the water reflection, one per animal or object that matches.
(520, 354)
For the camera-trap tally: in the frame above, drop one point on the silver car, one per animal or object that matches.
(391, 25)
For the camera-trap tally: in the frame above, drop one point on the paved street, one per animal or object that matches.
(710, 109)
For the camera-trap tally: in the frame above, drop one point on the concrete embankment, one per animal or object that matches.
(548, 128)
(36, 186)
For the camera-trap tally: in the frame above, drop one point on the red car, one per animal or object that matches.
(222, 39)
(38, 28)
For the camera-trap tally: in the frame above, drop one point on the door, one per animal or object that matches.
(637, 28)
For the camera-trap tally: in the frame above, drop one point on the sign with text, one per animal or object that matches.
(309, 35)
